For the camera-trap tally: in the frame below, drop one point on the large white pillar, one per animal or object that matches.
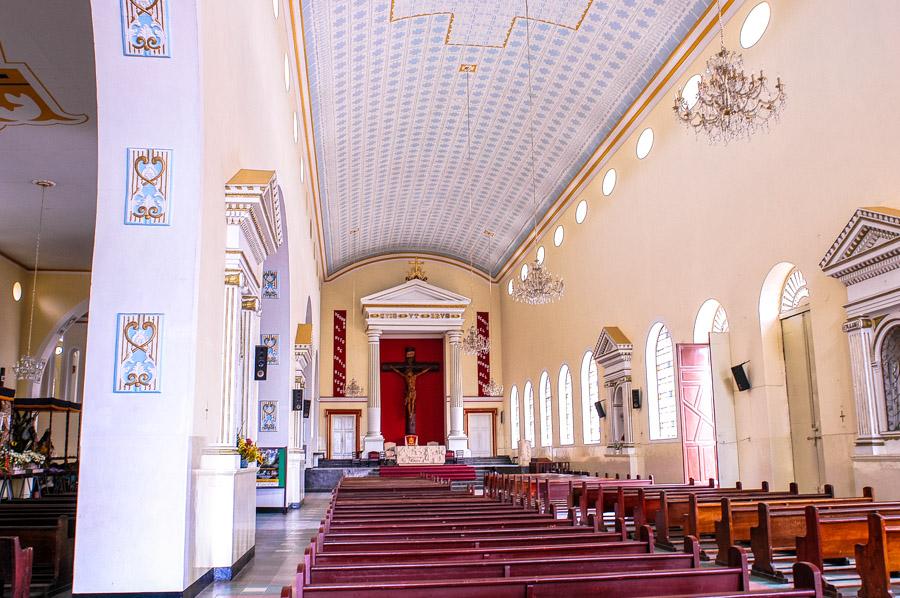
(231, 355)
(456, 440)
(859, 335)
(374, 441)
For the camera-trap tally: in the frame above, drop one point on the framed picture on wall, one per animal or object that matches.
(268, 416)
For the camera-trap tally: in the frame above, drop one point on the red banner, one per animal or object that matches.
(340, 352)
(482, 322)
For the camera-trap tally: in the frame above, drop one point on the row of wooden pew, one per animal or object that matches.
(418, 537)
(37, 538)
(779, 527)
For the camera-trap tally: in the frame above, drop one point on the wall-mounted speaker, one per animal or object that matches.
(297, 399)
(260, 362)
(740, 376)
(636, 398)
(600, 411)
(501, 416)
(2, 376)
(307, 405)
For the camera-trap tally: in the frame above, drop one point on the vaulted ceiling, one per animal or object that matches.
(389, 107)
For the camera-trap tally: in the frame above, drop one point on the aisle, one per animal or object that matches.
(280, 541)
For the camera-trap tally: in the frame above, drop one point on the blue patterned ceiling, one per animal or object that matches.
(389, 112)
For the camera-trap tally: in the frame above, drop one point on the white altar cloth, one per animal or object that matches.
(421, 455)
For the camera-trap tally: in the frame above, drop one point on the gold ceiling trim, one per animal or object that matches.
(406, 256)
(596, 161)
(512, 25)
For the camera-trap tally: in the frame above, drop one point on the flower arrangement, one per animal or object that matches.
(10, 459)
(248, 451)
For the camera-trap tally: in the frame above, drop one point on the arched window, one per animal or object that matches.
(711, 318)
(795, 293)
(890, 375)
(529, 413)
(661, 384)
(546, 411)
(514, 416)
(566, 426)
(590, 394)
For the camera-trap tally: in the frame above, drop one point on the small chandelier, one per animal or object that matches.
(30, 367)
(475, 343)
(492, 389)
(353, 389)
(730, 104)
(539, 286)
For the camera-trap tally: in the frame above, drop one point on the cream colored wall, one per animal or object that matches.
(248, 124)
(10, 316)
(693, 221)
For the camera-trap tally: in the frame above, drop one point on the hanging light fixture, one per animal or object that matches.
(539, 286)
(473, 342)
(352, 388)
(30, 367)
(730, 104)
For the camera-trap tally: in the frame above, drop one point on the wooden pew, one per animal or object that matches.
(835, 535)
(15, 567)
(878, 557)
(48, 537)
(708, 582)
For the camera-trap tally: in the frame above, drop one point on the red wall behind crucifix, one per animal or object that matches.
(429, 391)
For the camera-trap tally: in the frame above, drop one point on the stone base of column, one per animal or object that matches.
(458, 443)
(373, 443)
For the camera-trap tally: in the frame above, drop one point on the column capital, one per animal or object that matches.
(374, 334)
(454, 336)
(856, 324)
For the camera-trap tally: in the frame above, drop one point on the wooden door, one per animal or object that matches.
(799, 370)
(698, 417)
(481, 434)
(343, 436)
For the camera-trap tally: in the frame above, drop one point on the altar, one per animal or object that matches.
(420, 455)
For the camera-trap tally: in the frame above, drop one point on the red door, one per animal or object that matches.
(698, 418)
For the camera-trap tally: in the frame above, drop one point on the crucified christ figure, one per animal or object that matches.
(410, 370)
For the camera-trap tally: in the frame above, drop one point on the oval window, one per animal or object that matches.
(755, 24)
(581, 211)
(644, 143)
(17, 291)
(691, 91)
(523, 273)
(609, 181)
(558, 235)
(540, 255)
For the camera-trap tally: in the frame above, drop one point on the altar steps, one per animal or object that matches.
(446, 472)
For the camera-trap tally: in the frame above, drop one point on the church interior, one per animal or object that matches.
(449, 298)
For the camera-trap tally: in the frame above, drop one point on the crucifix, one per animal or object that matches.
(410, 370)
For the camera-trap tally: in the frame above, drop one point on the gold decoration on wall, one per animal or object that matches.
(416, 272)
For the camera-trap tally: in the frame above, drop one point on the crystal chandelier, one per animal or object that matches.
(353, 389)
(475, 343)
(730, 104)
(539, 286)
(30, 367)
(492, 389)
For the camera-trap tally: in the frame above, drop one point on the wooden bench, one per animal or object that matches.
(835, 535)
(878, 557)
(15, 567)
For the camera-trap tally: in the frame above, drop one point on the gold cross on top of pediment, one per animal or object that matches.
(416, 272)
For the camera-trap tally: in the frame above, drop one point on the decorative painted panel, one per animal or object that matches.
(271, 343)
(270, 288)
(386, 89)
(148, 201)
(268, 416)
(340, 352)
(145, 28)
(138, 345)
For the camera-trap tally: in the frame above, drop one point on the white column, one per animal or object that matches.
(250, 324)
(231, 349)
(457, 440)
(859, 335)
(374, 441)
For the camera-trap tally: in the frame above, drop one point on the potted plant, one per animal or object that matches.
(248, 451)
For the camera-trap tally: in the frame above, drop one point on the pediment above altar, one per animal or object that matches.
(868, 246)
(612, 344)
(414, 306)
(415, 293)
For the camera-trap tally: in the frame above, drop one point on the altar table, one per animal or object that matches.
(420, 455)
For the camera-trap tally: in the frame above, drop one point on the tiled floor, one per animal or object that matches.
(280, 541)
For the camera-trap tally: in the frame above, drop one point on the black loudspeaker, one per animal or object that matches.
(297, 399)
(307, 404)
(501, 416)
(740, 376)
(600, 411)
(636, 398)
(260, 362)
(2, 376)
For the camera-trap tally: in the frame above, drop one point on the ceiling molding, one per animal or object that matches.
(406, 256)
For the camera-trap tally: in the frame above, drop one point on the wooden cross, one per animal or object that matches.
(410, 370)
